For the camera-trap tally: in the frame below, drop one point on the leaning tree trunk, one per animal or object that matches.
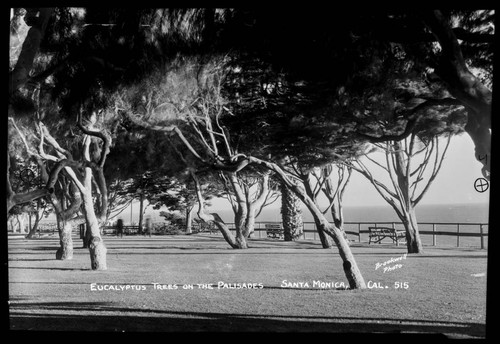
(33, 229)
(38, 217)
(351, 270)
(349, 264)
(413, 241)
(65, 250)
(338, 219)
(221, 226)
(235, 242)
(326, 240)
(291, 214)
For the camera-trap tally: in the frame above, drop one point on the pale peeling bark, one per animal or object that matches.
(189, 218)
(65, 251)
(413, 241)
(97, 249)
(241, 214)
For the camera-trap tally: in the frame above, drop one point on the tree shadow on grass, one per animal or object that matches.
(448, 256)
(29, 260)
(44, 248)
(46, 268)
(150, 320)
(420, 255)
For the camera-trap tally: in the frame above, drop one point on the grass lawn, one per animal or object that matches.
(445, 288)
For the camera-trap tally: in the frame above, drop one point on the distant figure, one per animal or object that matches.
(148, 227)
(119, 228)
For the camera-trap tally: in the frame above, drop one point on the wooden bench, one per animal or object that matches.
(377, 234)
(127, 230)
(108, 230)
(274, 230)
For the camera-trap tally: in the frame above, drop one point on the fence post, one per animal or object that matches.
(482, 238)
(314, 232)
(458, 234)
(359, 232)
(433, 234)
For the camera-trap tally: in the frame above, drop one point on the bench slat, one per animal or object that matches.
(380, 233)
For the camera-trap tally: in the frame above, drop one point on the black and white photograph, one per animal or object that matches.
(280, 169)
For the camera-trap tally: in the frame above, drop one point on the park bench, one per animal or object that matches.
(127, 230)
(108, 230)
(274, 230)
(377, 234)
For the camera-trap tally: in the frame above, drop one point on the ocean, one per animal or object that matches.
(428, 217)
(453, 213)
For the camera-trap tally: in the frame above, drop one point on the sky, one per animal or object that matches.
(453, 185)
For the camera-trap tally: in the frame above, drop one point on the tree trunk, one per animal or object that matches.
(189, 219)
(291, 214)
(20, 221)
(223, 228)
(349, 264)
(249, 223)
(235, 242)
(96, 246)
(326, 241)
(141, 213)
(65, 251)
(338, 219)
(86, 237)
(33, 229)
(240, 220)
(413, 241)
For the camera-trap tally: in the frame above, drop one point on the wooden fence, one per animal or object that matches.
(360, 230)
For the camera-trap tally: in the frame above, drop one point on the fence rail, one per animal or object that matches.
(479, 231)
(433, 229)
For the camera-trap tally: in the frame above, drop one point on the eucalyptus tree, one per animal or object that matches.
(404, 115)
(55, 94)
(452, 49)
(323, 181)
(411, 164)
(249, 192)
(195, 107)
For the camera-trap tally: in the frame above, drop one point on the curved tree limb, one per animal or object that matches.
(20, 74)
(464, 86)
(412, 117)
